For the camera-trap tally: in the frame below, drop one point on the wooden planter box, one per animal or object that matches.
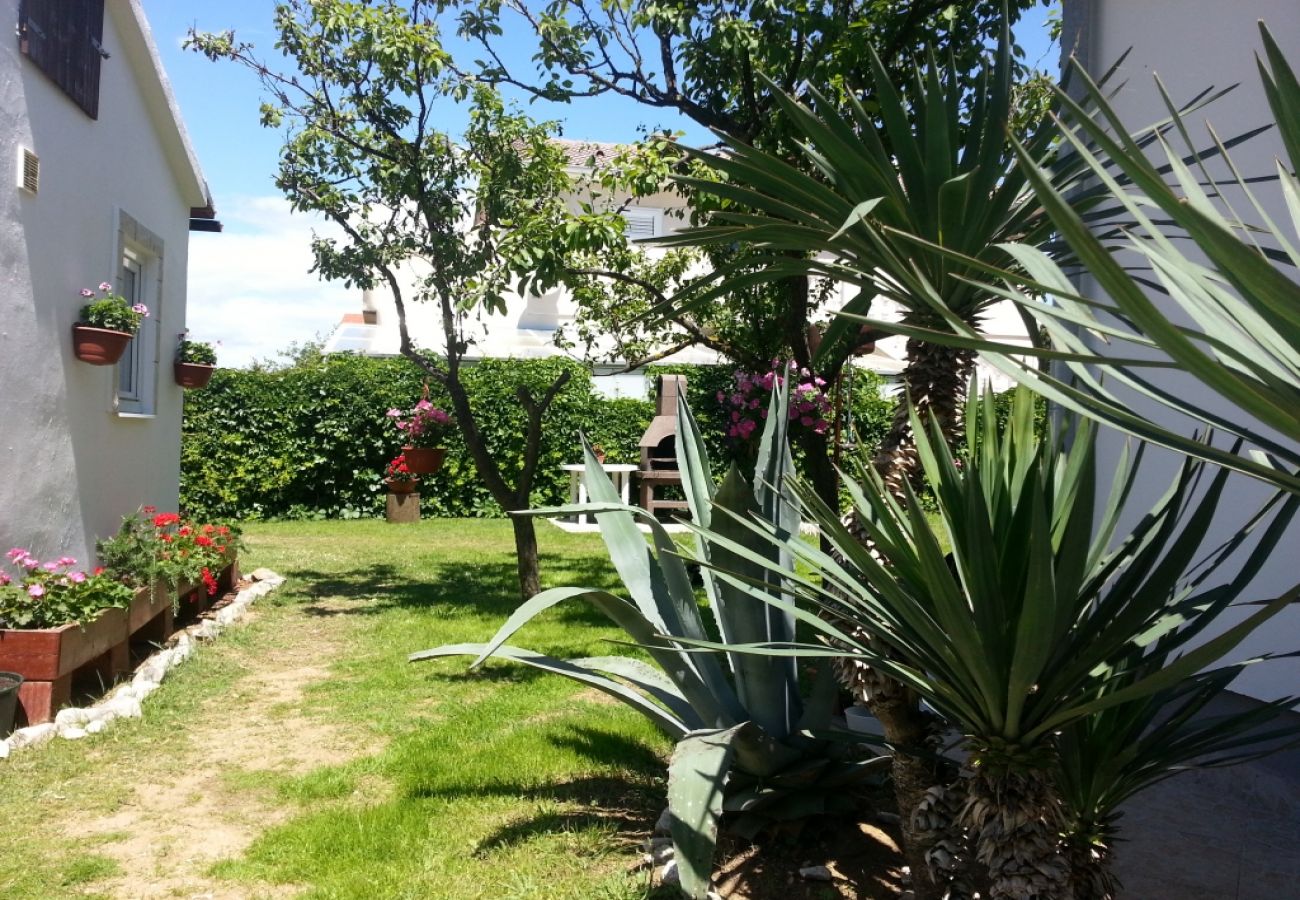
(228, 577)
(48, 657)
(150, 616)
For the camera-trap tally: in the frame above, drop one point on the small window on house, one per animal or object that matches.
(641, 223)
(129, 375)
(64, 39)
(139, 280)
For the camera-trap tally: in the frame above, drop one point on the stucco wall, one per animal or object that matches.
(1193, 44)
(70, 465)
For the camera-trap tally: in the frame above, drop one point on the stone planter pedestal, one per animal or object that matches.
(403, 508)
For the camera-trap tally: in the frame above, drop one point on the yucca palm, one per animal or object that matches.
(923, 160)
(1107, 758)
(1229, 270)
(1035, 621)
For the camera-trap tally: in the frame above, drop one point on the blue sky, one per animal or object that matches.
(250, 287)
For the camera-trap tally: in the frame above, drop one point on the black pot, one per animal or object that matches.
(10, 682)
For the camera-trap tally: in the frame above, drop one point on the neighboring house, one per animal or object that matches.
(1193, 44)
(527, 329)
(98, 182)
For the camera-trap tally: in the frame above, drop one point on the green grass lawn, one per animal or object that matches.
(334, 768)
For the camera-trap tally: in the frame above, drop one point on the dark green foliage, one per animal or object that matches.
(311, 440)
(617, 425)
(308, 440)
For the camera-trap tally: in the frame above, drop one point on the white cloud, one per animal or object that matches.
(251, 287)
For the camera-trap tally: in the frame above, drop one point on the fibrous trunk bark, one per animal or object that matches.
(906, 726)
(1091, 858)
(935, 381)
(1014, 815)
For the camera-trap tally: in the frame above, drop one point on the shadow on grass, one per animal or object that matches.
(603, 746)
(608, 803)
(486, 588)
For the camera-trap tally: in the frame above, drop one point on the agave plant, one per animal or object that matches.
(748, 743)
(1038, 619)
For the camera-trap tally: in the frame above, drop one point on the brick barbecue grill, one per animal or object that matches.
(659, 447)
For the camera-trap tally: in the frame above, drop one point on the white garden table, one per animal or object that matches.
(619, 473)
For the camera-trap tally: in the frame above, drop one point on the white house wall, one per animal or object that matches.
(70, 465)
(1193, 44)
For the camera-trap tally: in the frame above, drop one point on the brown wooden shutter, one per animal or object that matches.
(63, 38)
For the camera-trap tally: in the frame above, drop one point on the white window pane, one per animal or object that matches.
(128, 367)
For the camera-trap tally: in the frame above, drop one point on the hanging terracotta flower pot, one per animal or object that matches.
(192, 375)
(99, 346)
(424, 460)
(105, 326)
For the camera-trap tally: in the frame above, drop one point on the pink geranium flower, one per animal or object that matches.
(36, 590)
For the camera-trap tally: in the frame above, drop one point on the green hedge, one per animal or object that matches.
(310, 440)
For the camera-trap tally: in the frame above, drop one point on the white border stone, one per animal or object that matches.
(124, 701)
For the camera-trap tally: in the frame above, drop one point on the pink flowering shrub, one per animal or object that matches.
(50, 594)
(423, 426)
(747, 403)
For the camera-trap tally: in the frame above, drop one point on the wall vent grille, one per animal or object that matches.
(30, 177)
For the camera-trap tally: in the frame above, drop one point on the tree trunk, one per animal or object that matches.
(935, 380)
(526, 551)
(1089, 850)
(906, 726)
(820, 468)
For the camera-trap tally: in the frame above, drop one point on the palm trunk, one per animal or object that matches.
(935, 380)
(1089, 849)
(906, 726)
(1014, 815)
